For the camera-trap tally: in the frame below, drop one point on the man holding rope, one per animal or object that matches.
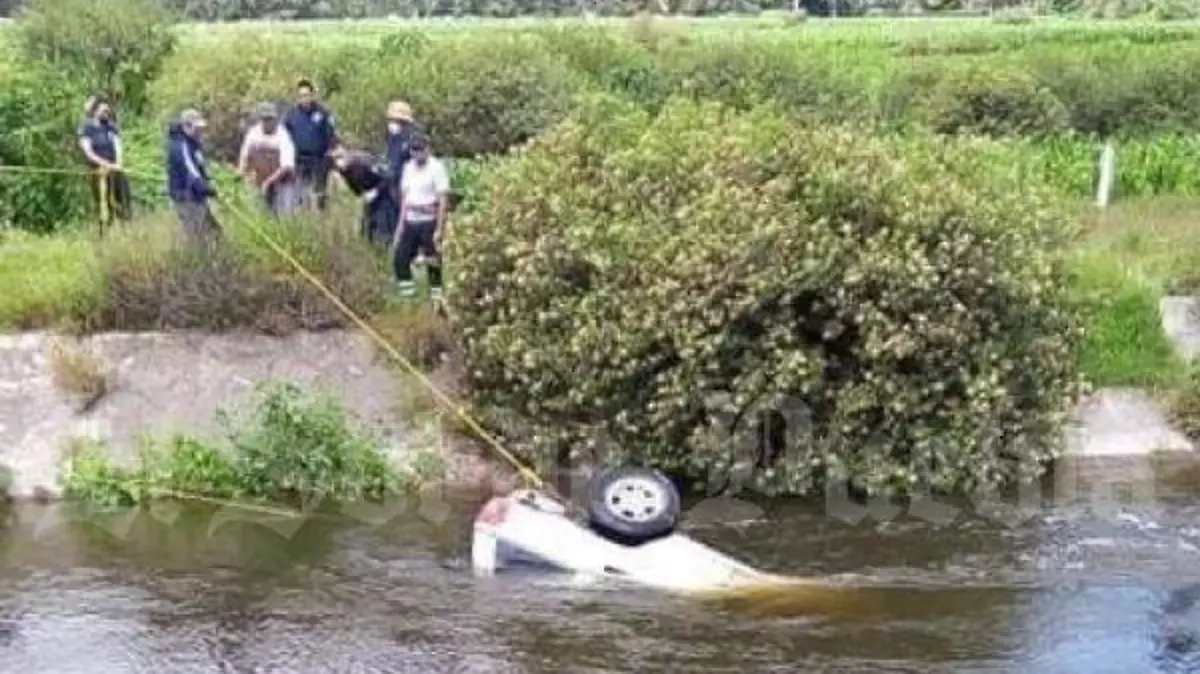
(100, 141)
(187, 176)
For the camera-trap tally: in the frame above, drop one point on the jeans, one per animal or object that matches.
(418, 237)
(197, 219)
(313, 173)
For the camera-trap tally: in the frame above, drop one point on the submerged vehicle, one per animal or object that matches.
(629, 534)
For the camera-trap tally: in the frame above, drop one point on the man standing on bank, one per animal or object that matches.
(268, 160)
(313, 131)
(188, 182)
(100, 141)
(400, 131)
(424, 205)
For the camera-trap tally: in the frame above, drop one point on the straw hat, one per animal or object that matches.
(399, 111)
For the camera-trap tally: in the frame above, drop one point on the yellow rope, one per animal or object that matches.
(444, 400)
(104, 209)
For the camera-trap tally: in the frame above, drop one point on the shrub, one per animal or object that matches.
(743, 74)
(475, 95)
(39, 109)
(115, 47)
(295, 447)
(649, 268)
(227, 81)
(991, 101)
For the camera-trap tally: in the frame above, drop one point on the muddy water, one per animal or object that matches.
(1072, 588)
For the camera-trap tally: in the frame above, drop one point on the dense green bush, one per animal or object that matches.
(113, 47)
(475, 95)
(39, 109)
(911, 301)
(295, 447)
(227, 80)
(991, 101)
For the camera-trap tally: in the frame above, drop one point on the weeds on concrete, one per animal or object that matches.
(296, 448)
(79, 372)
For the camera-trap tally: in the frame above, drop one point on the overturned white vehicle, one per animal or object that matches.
(629, 535)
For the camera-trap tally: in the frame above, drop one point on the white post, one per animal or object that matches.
(1108, 174)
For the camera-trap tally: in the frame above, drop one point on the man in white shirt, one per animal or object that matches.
(424, 203)
(268, 161)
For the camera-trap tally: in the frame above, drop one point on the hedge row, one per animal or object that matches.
(482, 92)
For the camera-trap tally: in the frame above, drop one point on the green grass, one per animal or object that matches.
(45, 279)
(1130, 257)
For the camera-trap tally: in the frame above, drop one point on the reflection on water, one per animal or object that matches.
(1072, 589)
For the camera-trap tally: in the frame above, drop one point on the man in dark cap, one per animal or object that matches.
(424, 205)
(188, 183)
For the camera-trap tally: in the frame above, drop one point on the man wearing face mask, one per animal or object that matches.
(100, 141)
(400, 131)
(424, 204)
(188, 182)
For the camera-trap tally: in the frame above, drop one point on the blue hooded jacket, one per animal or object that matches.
(187, 173)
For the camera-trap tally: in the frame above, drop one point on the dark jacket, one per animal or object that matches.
(363, 173)
(313, 130)
(187, 173)
(398, 151)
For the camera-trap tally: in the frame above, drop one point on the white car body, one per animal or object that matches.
(528, 527)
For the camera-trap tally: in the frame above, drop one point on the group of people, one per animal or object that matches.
(289, 158)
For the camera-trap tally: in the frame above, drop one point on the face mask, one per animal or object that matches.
(393, 127)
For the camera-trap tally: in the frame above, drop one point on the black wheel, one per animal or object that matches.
(632, 505)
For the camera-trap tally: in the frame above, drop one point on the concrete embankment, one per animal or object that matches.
(178, 381)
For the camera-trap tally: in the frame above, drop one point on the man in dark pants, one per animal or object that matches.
(369, 181)
(424, 205)
(100, 141)
(188, 183)
(314, 133)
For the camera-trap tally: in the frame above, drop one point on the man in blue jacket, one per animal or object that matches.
(314, 133)
(188, 183)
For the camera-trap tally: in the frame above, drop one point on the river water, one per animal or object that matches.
(1074, 587)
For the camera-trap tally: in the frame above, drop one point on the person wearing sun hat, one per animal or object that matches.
(400, 131)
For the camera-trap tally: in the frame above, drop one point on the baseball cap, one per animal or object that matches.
(267, 111)
(192, 117)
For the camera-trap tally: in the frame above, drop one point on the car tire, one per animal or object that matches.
(632, 505)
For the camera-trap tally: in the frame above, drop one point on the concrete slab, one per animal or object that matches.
(177, 382)
(1123, 422)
